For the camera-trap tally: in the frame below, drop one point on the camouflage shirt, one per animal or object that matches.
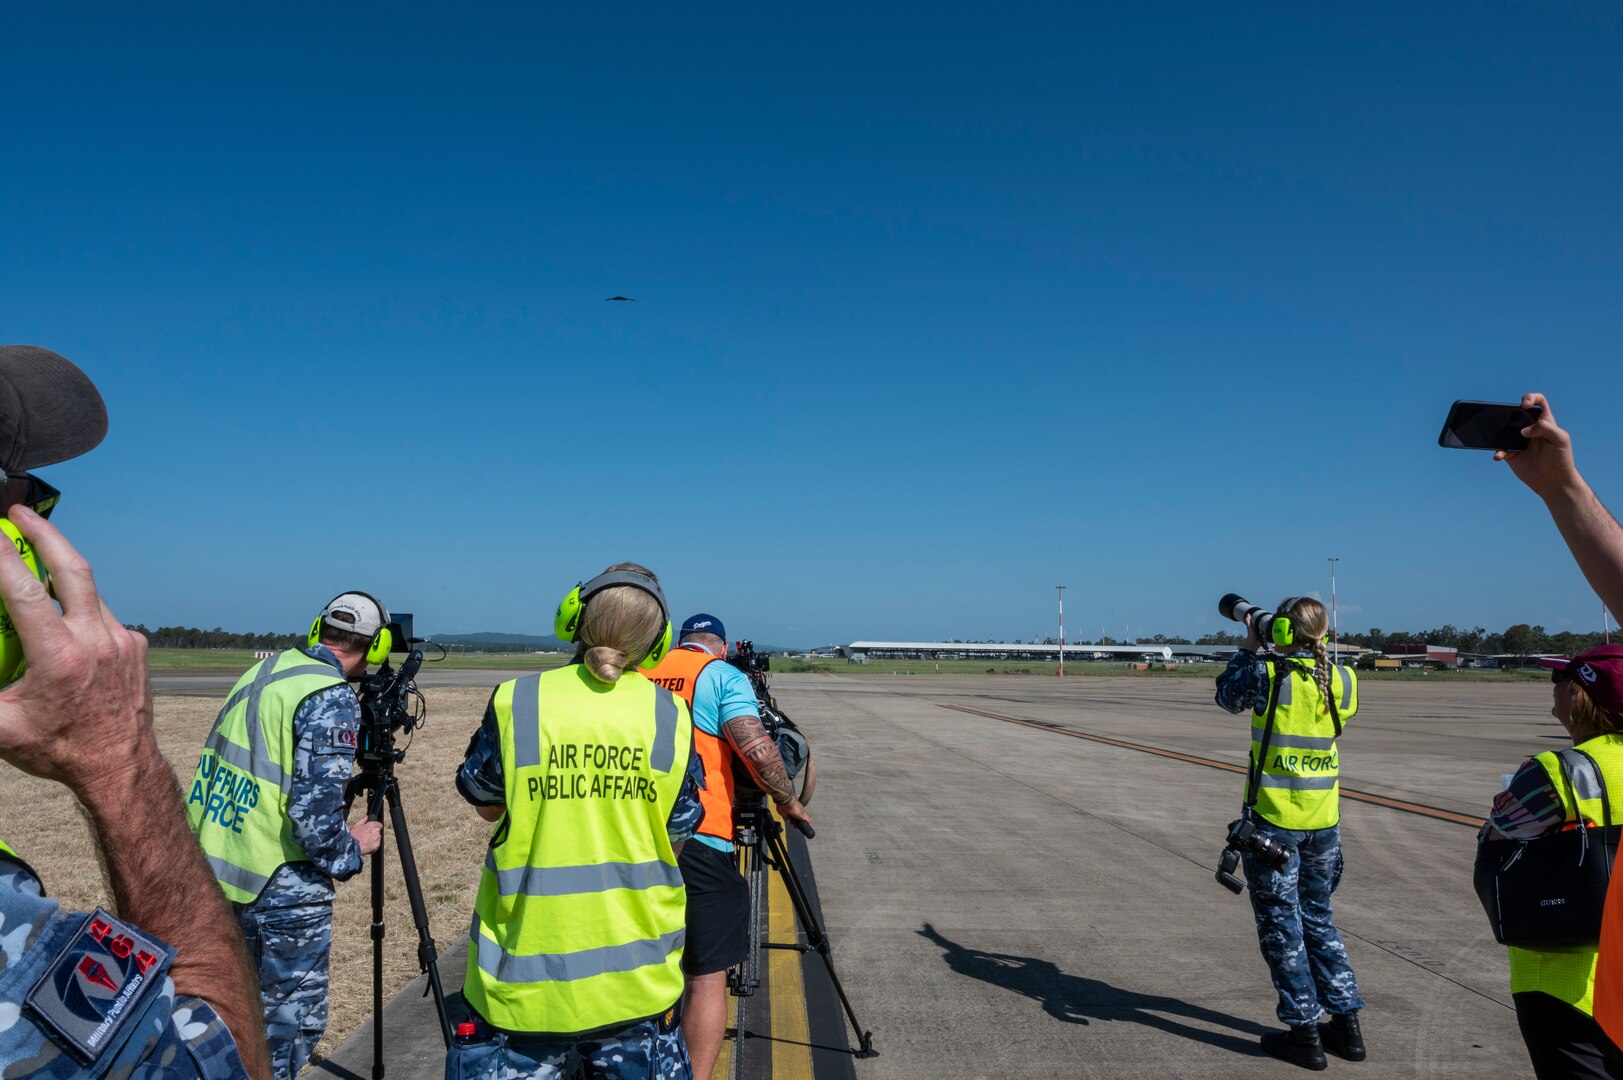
(157, 1034)
(325, 729)
(481, 782)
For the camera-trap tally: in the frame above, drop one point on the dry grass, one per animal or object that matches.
(41, 820)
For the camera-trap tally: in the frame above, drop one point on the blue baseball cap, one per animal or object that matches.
(704, 624)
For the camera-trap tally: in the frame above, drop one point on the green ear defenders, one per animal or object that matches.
(1281, 629)
(566, 624)
(377, 650)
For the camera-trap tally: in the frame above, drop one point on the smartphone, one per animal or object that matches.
(1487, 425)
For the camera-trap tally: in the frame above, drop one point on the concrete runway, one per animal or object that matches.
(1007, 901)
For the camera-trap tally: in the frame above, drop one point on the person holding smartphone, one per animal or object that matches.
(1554, 988)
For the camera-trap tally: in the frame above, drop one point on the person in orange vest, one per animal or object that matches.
(726, 728)
(1595, 539)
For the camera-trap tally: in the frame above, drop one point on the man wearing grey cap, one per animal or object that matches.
(267, 804)
(162, 987)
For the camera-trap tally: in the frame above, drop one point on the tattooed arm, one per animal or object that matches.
(760, 755)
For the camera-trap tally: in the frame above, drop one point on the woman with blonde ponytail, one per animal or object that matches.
(575, 958)
(1299, 701)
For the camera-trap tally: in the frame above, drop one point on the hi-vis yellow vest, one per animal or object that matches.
(579, 922)
(1569, 973)
(5, 849)
(1301, 780)
(238, 801)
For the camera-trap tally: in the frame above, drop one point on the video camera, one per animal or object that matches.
(390, 700)
(1244, 836)
(786, 735)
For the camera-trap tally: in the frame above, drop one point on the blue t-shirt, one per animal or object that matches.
(722, 693)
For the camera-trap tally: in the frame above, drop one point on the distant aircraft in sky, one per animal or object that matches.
(632, 299)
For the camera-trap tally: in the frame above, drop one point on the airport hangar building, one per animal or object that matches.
(862, 651)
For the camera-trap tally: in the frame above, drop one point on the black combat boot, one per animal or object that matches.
(1342, 1037)
(1299, 1046)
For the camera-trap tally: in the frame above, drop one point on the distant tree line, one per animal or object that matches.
(1518, 640)
(190, 637)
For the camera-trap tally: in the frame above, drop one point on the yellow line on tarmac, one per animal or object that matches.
(791, 1031)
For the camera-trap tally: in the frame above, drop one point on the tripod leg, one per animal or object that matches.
(815, 935)
(427, 952)
(374, 811)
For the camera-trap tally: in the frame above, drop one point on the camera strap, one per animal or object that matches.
(1284, 668)
(1253, 780)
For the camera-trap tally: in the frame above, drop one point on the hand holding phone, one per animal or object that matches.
(1488, 425)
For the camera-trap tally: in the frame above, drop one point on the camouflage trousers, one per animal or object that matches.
(645, 1051)
(290, 946)
(1306, 959)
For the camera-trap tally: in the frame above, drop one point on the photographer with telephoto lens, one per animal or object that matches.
(160, 987)
(1288, 836)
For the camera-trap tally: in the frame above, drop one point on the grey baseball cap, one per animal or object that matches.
(356, 612)
(49, 410)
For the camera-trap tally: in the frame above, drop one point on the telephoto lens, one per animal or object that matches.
(1236, 607)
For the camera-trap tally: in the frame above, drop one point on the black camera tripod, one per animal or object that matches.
(761, 845)
(377, 757)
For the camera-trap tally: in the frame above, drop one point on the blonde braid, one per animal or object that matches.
(1310, 622)
(1321, 668)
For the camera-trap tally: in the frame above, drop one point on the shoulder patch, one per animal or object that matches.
(105, 975)
(345, 739)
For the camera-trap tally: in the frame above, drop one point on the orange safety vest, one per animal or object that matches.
(679, 673)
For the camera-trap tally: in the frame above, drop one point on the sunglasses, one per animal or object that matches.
(28, 490)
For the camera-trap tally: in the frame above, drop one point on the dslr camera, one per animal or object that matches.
(1244, 836)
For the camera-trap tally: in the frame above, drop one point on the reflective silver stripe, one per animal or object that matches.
(569, 880)
(236, 876)
(527, 722)
(311, 668)
(503, 966)
(663, 754)
(1299, 783)
(1293, 742)
(1586, 782)
(1346, 687)
(260, 769)
(267, 675)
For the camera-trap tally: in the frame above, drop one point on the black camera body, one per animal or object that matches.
(1244, 836)
(792, 745)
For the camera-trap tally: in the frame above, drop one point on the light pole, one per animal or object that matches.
(1335, 628)
(1061, 589)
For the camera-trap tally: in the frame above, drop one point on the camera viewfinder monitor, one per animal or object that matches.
(400, 628)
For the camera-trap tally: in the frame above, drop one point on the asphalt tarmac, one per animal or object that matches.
(1009, 901)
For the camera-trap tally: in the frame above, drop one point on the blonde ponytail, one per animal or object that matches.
(619, 621)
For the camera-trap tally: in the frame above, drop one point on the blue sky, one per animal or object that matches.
(935, 309)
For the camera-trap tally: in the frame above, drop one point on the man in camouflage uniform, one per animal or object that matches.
(152, 989)
(278, 868)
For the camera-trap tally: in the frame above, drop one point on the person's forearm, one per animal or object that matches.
(1595, 539)
(161, 883)
(760, 756)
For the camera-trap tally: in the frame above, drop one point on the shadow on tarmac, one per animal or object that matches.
(1075, 999)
